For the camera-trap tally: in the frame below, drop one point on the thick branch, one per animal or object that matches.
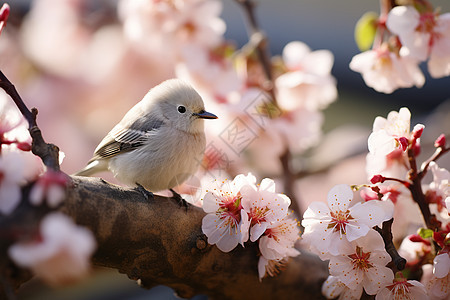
(386, 233)
(159, 242)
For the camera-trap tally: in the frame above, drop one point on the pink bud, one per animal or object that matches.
(416, 148)
(4, 14)
(417, 131)
(418, 239)
(377, 178)
(403, 142)
(440, 141)
(24, 146)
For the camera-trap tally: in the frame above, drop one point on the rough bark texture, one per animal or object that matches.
(159, 242)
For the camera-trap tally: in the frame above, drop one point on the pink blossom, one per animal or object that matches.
(363, 264)
(60, 255)
(279, 239)
(208, 70)
(161, 28)
(270, 267)
(439, 188)
(264, 206)
(333, 287)
(412, 251)
(4, 14)
(441, 265)
(226, 223)
(50, 186)
(386, 132)
(437, 288)
(423, 35)
(330, 228)
(403, 289)
(385, 71)
(308, 82)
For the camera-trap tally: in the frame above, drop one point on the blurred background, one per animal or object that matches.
(75, 67)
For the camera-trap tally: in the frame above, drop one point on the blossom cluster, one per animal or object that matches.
(241, 210)
(416, 33)
(343, 231)
(59, 251)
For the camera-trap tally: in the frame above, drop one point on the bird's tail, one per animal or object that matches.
(93, 167)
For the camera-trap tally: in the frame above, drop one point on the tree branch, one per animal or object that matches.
(158, 242)
(49, 153)
(386, 233)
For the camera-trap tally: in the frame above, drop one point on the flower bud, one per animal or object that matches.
(4, 14)
(377, 178)
(403, 142)
(417, 131)
(440, 141)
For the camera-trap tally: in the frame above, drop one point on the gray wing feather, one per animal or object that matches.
(120, 139)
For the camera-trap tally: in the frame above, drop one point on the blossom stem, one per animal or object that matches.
(386, 234)
(437, 154)
(405, 183)
(49, 153)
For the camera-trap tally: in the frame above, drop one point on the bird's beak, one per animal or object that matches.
(205, 115)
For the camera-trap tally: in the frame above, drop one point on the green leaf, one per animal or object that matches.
(425, 233)
(365, 30)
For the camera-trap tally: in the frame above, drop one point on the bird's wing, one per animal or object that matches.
(123, 139)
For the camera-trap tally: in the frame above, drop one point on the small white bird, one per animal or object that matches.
(159, 143)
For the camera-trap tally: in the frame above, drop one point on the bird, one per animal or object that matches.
(160, 141)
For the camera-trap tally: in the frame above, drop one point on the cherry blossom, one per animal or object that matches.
(307, 82)
(162, 28)
(393, 133)
(439, 188)
(437, 288)
(270, 267)
(4, 14)
(423, 35)
(330, 227)
(50, 186)
(333, 287)
(403, 289)
(60, 254)
(264, 206)
(441, 265)
(209, 71)
(226, 223)
(385, 71)
(363, 263)
(278, 240)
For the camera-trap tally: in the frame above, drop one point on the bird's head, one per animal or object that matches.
(182, 106)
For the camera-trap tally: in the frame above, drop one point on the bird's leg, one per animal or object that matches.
(143, 191)
(179, 199)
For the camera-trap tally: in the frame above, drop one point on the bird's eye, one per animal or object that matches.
(181, 109)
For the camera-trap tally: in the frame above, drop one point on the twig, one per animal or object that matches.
(259, 40)
(437, 154)
(386, 234)
(49, 153)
